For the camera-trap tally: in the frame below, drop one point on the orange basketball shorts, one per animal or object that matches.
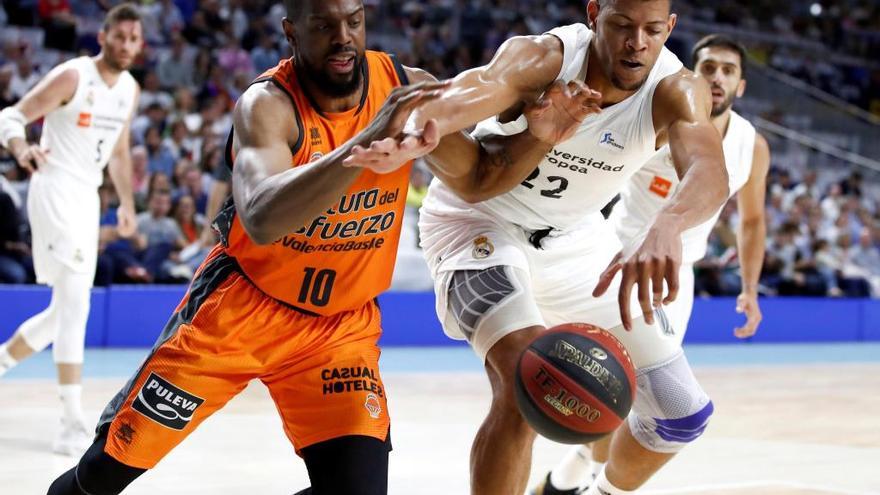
(322, 372)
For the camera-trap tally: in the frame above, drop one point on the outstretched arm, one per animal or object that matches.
(682, 108)
(273, 199)
(520, 71)
(478, 169)
(503, 162)
(54, 90)
(751, 237)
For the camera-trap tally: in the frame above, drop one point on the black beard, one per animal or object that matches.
(113, 64)
(334, 88)
(725, 106)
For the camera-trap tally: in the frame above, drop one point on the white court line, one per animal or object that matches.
(757, 484)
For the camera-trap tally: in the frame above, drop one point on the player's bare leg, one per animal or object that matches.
(630, 465)
(501, 455)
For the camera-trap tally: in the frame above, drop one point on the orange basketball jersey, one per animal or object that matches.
(345, 257)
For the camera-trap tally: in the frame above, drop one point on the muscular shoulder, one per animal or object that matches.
(264, 113)
(681, 96)
(62, 81)
(535, 61)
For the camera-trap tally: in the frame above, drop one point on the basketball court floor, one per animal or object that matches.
(790, 420)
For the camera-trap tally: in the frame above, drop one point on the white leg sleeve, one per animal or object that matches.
(39, 330)
(73, 293)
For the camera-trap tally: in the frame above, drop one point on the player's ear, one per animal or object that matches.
(741, 88)
(670, 24)
(592, 14)
(102, 37)
(289, 31)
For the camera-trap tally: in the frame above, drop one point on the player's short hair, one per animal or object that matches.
(294, 9)
(121, 13)
(721, 41)
(606, 2)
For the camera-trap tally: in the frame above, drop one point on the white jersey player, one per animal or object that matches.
(88, 104)
(508, 266)
(720, 61)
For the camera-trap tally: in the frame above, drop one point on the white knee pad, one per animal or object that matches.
(671, 409)
(73, 292)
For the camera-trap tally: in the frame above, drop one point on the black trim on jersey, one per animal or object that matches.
(299, 124)
(300, 138)
(398, 68)
(228, 151)
(607, 209)
(365, 72)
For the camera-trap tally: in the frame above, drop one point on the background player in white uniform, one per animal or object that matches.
(87, 104)
(720, 61)
(510, 266)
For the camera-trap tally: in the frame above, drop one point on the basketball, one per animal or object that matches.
(575, 383)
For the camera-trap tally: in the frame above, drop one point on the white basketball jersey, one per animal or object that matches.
(81, 135)
(657, 181)
(579, 176)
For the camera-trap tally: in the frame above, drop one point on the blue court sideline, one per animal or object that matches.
(120, 363)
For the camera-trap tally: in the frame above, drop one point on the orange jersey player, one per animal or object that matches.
(288, 296)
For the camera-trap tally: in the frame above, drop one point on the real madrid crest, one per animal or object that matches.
(483, 248)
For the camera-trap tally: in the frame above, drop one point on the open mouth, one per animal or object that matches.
(632, 64)
(341, 63)
(718, 94)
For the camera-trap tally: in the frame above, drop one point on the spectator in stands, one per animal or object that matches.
(15, 262)
(266, 55)
(188, 219)
(851, 280)
(59, 23)
(172, 18)
(194, 186)
(160, 158)
(179, 142)
(152, 93)
(163, 236)
(6, 96)
(232, 58)
(140, 174)
(24, 76)
(176, 68)
(202, 68)
(154, 116)
(117, 259)
(866, 258)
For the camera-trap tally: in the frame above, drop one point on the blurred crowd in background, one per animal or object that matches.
(201, 54)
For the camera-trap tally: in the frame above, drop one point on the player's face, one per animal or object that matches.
(329, 40)
(629, 37)
(722, 67)
(121, 44)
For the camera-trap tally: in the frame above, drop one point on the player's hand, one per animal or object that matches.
(127, 222)
(560, 111)
(386, 146)
(657, 259)
(31, 157)
(747, 302)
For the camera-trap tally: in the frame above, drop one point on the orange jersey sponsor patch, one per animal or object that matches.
(84, 119)
(660, 186)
